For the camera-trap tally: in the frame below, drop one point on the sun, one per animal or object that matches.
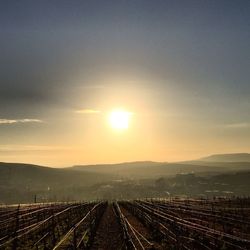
(119, 119)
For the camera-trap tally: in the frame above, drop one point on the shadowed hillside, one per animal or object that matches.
(24, 182)
(155, 169)
(21, 182)
(239, 157)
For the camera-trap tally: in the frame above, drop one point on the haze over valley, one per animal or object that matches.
(227, 175)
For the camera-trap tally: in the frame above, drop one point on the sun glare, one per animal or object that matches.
(119, 119)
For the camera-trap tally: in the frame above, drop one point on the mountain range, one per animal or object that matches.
(22, 182)
(237, 157)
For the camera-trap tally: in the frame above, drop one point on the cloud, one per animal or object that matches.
(25, 150)
(88, 111)
(238, 125)
(12, 121)
(22, 148)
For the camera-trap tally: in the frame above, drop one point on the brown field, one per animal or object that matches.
(218, 223)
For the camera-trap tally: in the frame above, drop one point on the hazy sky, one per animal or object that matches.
(181, 67)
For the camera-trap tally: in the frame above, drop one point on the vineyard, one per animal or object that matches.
(140, 224)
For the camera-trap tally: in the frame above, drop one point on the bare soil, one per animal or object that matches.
(109, 235)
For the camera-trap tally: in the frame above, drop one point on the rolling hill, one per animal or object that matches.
(237, 157)
(139, 170)
(22, 182)
(28, 175)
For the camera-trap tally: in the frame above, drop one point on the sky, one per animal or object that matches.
(180, 68)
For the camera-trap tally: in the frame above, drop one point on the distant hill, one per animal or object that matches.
(139, 170)
(21, 182)
(238, 157)
(118, 168)
(34, 176)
